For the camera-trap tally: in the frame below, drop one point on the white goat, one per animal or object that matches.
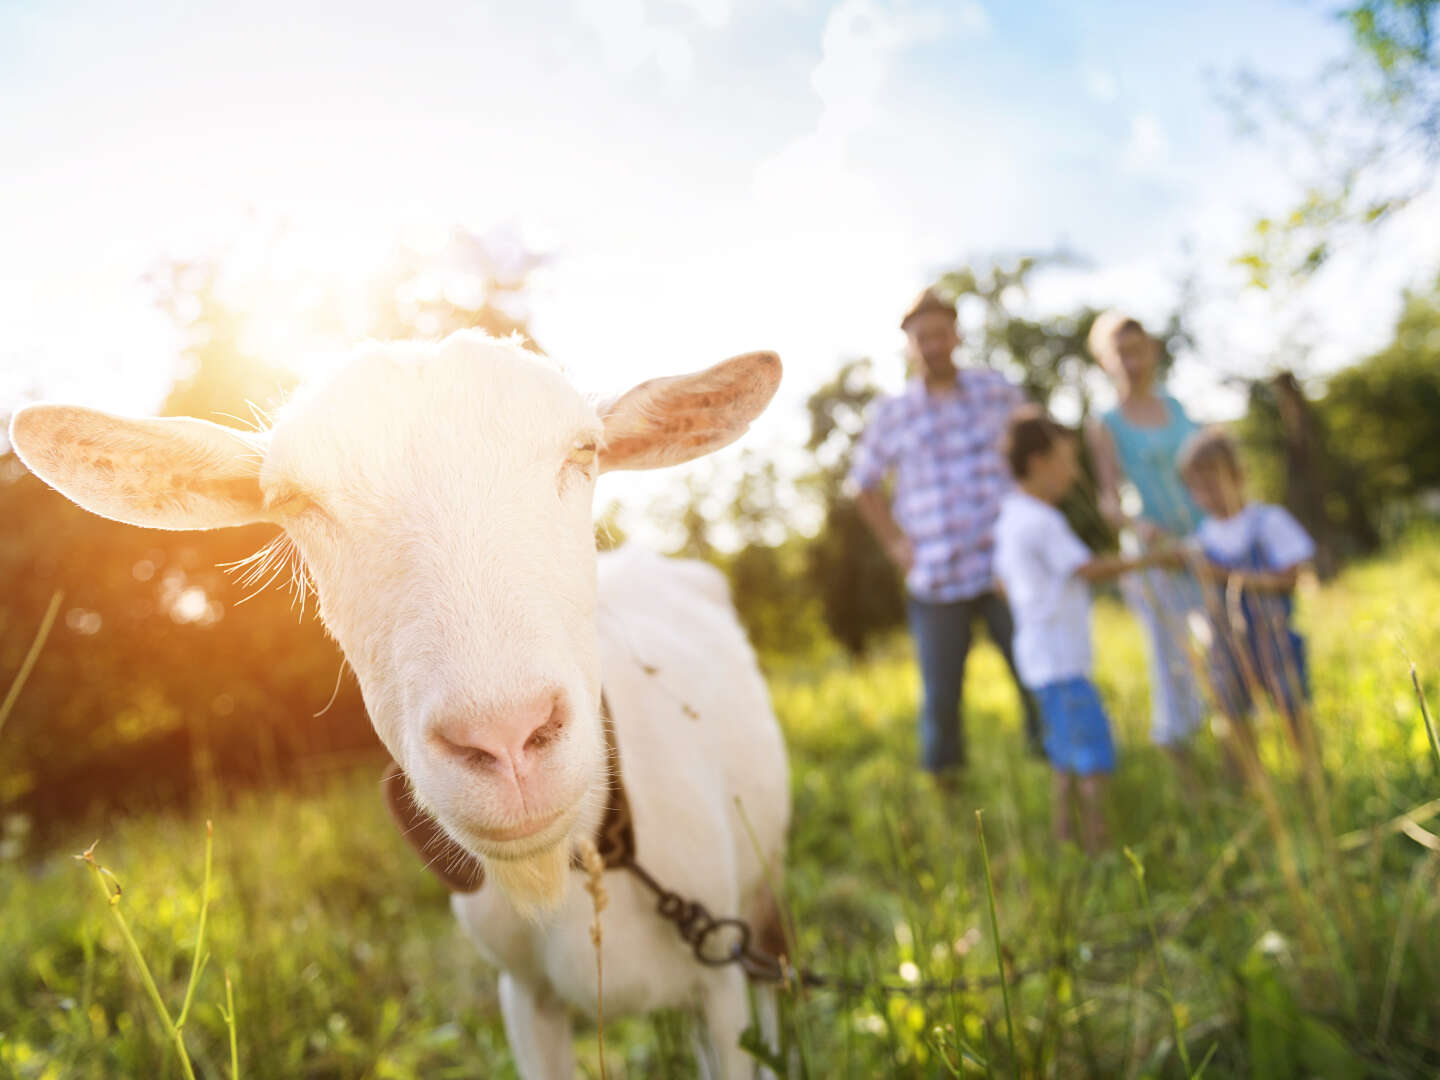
(440, 497)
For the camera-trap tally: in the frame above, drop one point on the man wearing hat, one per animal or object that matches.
(940, 440)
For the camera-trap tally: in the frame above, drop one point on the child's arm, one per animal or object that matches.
(1262, 580)
(1108, 567)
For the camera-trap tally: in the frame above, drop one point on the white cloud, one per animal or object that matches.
(1147, 148)
(1101, 84)
(859, 45)
(629, 40)
(831, 216)
(713, 13)
(972, 19)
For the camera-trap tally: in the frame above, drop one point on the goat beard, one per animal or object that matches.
(535, 883)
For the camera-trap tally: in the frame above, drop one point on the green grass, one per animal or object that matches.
(345, 961)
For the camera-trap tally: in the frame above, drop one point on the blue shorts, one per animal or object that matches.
(1077, 731)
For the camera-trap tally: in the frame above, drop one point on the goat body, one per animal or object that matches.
(440, 496)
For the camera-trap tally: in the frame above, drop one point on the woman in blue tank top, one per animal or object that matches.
(1137, 443)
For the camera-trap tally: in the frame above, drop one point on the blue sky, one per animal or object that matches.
(712, 175)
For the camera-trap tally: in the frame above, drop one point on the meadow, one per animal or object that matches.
(1288, 939)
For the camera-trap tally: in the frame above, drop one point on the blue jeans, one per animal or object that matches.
(942, 633)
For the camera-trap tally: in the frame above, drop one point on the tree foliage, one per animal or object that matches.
(1294, 459)
(1047, 354)
(1361, 138)
(1374, 442)
(1385, 410)
(860, 592)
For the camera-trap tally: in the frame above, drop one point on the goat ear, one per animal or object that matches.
(161, 474)
(670, 421)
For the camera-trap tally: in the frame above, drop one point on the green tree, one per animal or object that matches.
(690, 512)
(1385, 410)
(1293, 458)
(758, 548)
(860, 592)
(1370, 444)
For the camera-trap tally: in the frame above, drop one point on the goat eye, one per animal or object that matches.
(582, 455)
(289, 502)
(288, 505)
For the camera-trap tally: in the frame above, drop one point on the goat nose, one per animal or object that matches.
(509, 736)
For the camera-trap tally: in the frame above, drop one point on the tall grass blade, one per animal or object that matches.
(112, 901)
(1419, 884)
(1176, 1024)
(81, 1016)
(1205, 1061)
(995, 932)
(199, 960)
(229, 1015)
(1424, 715)
(32, 654)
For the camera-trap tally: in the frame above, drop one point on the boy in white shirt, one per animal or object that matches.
(1046, 571)
(1253, 554)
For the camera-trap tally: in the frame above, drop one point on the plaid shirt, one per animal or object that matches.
(950, 476)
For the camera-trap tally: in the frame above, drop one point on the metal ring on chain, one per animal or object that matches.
(738, 949)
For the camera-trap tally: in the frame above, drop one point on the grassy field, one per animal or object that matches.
(345, 962)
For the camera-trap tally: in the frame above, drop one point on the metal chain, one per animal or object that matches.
(704, 933)
(697, 927)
